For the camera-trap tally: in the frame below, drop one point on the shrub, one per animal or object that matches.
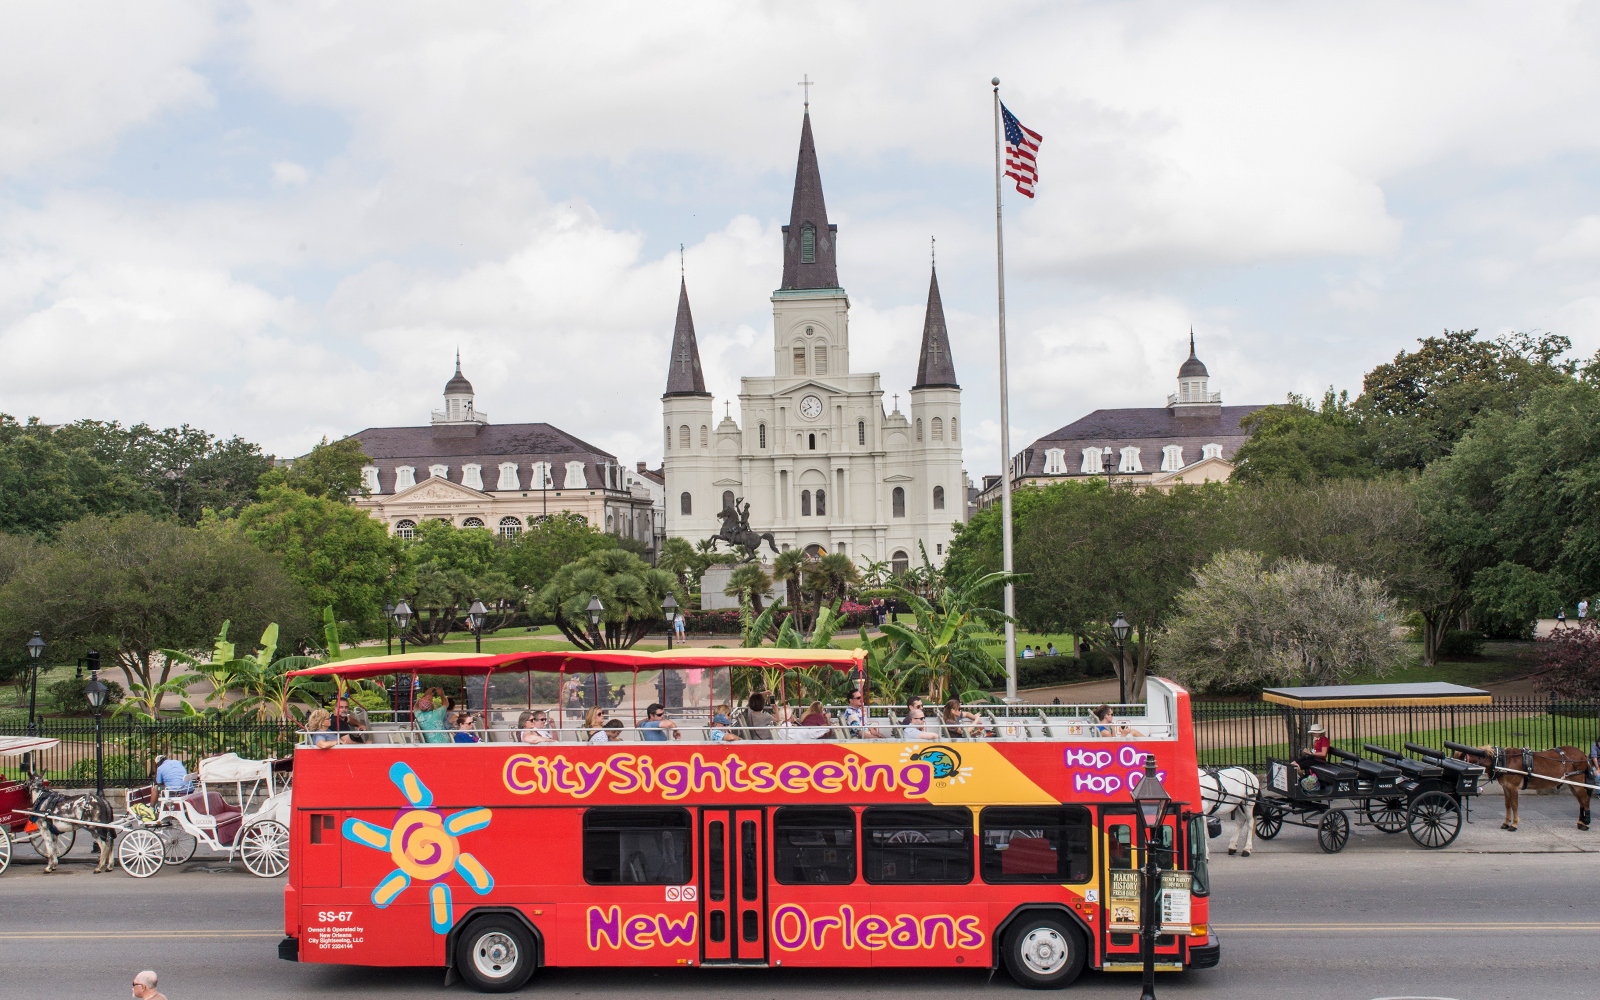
(1458, 643)
(1570, 658)
(70, 700)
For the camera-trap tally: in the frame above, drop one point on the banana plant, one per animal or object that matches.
(949, 648)
(145, 699)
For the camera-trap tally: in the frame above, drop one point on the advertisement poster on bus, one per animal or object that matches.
(1124, 901)
(1175, 898)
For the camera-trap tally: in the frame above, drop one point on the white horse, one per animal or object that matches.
(1232, 791)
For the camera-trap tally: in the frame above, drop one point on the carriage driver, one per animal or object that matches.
(1317, 752)
(171, 773)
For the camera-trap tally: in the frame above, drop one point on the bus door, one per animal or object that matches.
(733, 885)
(1121, 900)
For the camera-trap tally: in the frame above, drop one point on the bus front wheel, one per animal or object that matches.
(1043, 952)
(495, 955)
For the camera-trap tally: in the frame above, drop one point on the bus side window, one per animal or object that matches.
(1119, 847)
(1034, 844)
(814, 845)
(716, 863)
(926, 845)
(632, 846)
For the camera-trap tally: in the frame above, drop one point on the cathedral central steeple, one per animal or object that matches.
(809, 242)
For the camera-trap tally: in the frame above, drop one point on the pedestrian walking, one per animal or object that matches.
(144, 986)
(1583, 609)
(677, 625)
(1561, 618)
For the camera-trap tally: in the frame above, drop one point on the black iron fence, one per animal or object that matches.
(1247, 733)
(131, 746)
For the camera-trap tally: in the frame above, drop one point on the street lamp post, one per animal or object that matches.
(35, 647)
(669, 607)
(388, 629)
(1152, 800)
(402, 618)
(595, 609)
(96, 693)
(475, 617)
(1121, 629)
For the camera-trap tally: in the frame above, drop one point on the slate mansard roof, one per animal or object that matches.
(1148, 428)
(525, 444)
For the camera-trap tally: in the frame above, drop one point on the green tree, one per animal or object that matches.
(454, 567)
(788, 569)
(748, 583)
(337, 553)
(44, 485)
(1298, 441)
(1244, 625)
(678, 558)
(949, 649)
(1419, 405)
(550, 542)
(331, 470)
(133, 585)
(628, 588)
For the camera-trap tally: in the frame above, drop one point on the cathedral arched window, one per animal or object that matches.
(763, 430)
(899, 501)
(510, 527)
(727, 500)
(822, 503)
(899, 563)
(668, 444)
(805, 503)
(819, 355)
(799, 360)
(472, 522)
(808, 245)
(683, 436)
(685, 505)
(953, 435)
(705, 436)
(938, 429)
(811, 442)
(405, 529)
(938, 498)
(861, 432)
(919, 428)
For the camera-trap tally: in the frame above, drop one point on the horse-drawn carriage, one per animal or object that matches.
(15, 798)
(237, 806)
(1425, 795)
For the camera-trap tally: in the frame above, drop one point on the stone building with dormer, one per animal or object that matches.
(821, 462)
(463, 470)
(1190, 440)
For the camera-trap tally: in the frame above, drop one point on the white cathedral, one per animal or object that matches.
(814, 454)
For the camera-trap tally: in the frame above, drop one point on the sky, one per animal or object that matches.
(281, 220)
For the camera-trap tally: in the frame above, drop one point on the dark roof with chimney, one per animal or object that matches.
(420, 447)
(684, 377)
(808, 210)
(935, 366)
(1193, 366)
(1148, 428)
(458, 383)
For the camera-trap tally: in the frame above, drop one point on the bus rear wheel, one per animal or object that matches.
(1043, 952)
(495, 955)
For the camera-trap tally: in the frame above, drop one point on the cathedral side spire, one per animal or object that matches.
(683, 369)
(935, 367)
(809, 242)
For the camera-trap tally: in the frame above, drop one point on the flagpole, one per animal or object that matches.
(1005, 419)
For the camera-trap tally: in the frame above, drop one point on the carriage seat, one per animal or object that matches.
(223, 817)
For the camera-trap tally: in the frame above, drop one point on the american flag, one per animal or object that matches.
(1022, 146)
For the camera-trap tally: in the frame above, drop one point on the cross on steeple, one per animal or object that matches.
(933, 250)
(807, 83)
(897, 401)
(683, 360)
(934, 352)
(681, 271)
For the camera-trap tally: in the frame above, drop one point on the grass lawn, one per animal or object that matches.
(1498, 661)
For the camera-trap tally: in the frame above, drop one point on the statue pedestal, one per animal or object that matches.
(715, 581)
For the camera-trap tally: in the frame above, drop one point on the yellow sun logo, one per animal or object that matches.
(424, 847)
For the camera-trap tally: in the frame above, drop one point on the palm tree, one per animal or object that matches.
(751, 578)
(677, 558)
(788, 569)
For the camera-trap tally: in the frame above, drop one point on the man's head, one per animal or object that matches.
(719, 721)
(757, 702)
(655, 711)
(855, 699)
(144, 984)
(341, 704)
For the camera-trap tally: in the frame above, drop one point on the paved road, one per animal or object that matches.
(1360, 926)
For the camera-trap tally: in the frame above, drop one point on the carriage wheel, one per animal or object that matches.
(1390, 816)
(179, 847)
(64, 841)
(140, 853)
(5, 849)
(265, 849)
(1434, 820)
(1334, 831)
(1269, 820)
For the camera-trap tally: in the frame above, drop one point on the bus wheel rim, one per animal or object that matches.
(1044, 951)
(495, 955)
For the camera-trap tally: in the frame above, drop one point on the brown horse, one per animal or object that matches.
(1563, 763)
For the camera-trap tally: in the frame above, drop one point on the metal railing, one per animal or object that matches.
(131, 746)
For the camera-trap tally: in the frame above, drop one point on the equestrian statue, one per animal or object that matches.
(736, 531)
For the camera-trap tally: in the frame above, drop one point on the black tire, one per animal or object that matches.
(495, 954)
(1044, 952)
(1389, 815)
(1434, 820)
(1269, 820)
(1334, 831)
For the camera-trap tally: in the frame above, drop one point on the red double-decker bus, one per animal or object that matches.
(1008, 838)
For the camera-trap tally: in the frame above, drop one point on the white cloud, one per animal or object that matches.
(287, 174)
